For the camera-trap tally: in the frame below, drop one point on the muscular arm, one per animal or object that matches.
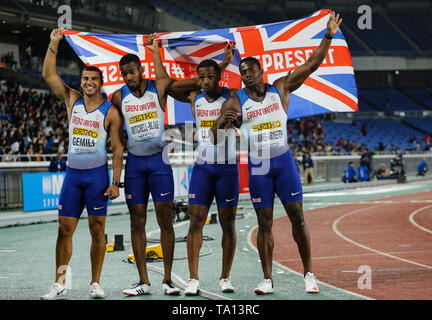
(182, 89)
(116, 99)
(230, 114)
(296, 78)
(163, 81)
(115, 128)
(229, 57)
(56, 84)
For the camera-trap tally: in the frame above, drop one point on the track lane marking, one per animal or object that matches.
(280, 265)
(411, 219)
(335, 230)
(354, 255)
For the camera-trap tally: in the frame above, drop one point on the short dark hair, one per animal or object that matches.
(250, 59)
(93, 68)
(130, 57)
(209, 63)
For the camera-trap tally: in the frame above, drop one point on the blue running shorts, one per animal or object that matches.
(214, 180)
(145, 175)
(84, 187)
(277, 175)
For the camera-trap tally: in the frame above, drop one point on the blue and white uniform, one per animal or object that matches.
(86, 177)
(147, 164)
(215, 172)
(271, 166)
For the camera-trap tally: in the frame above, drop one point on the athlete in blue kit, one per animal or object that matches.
(215, 172)
(142, 104)
(260, 109)
(91, 120)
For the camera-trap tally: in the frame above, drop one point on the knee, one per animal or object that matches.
(97, 231)
(264, 224)
(197, 221)
(166, 222)
(65, 231)
(228, 225)
(164, 214)
(137, 223)
(296, 216)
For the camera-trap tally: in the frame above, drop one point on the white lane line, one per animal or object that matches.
(360, 191)
(335, 229)
(182, 284)
(179, 280)
(411, 219)
(249, 241)
(175, 225)
(388, 269)
(355, 255)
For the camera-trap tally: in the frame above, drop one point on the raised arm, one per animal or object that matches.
(56, 84)
(295, 79)
(115, 128)
(163, 81)
(182, 89)
(229, 57)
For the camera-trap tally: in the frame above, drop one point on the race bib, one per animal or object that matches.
(84, 140)
(144, 126)
(267, 135)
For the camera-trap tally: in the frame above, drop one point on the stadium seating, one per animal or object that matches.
(389, 99)
(414, 28)
(356, 48)
(365, 106)
(199, 15)
(421, 95)
(424, 124)
(388, 41)
(387, 131)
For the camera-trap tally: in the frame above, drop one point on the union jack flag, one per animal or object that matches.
(280, 47)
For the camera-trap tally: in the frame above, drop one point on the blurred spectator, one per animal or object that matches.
(308, 168)
(340, 143)
(383, 172)
(57, 164)
(422, 167)
(32, 123)
(366, 159)
(363, 173)
(350, 174)
(297, 162)
(364, 129)
(10, 61)
(387, 102)
(9, 156)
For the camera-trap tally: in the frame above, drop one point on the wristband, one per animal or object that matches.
(52, 50)
(118, 184)
(328, 37)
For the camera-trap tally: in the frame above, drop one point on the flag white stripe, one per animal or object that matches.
(102, 55)
(321, 99)
(334, 70)
(332, 85)
(170, 110)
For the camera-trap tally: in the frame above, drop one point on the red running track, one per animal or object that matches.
(392, 237)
